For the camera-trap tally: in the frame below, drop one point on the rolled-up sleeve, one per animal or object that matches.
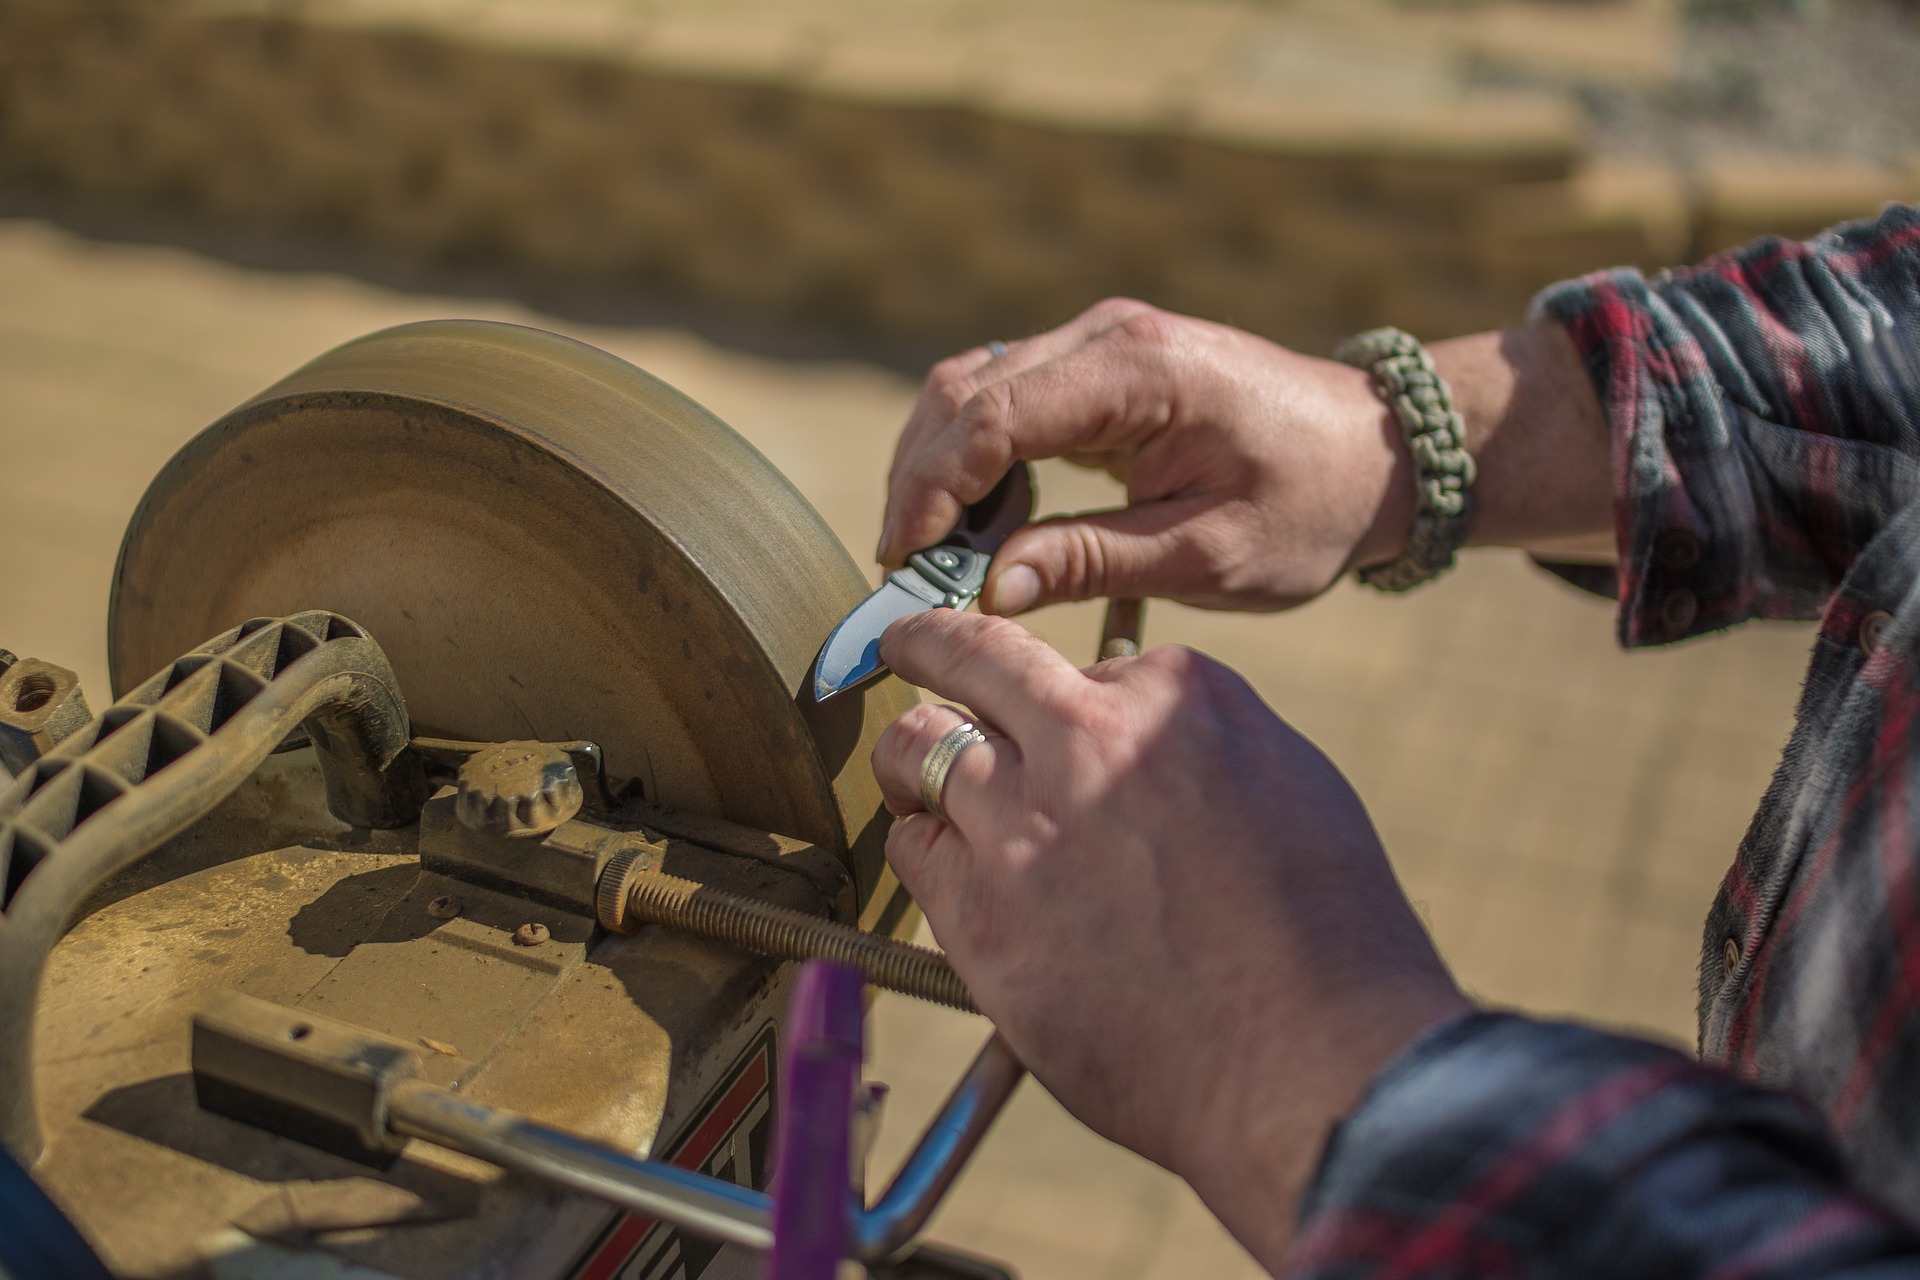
(1765, 409)
(1499, 1146)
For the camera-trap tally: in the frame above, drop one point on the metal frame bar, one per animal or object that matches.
(715, 1208)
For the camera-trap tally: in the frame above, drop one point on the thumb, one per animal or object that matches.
(1132, 551)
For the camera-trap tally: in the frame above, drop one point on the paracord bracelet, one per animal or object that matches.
(1442, 470)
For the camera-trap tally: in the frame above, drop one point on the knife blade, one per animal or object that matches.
(947, 575)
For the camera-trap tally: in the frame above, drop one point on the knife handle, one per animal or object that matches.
(985, 524)
(956, 572)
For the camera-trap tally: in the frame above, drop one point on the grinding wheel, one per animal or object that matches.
(548, 543)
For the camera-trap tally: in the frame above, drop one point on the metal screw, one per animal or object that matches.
(444, 907)
(784, 934)
(531, 935)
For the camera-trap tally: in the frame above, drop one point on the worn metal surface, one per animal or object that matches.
(41, 705)
(550, 544)
(272, 897)
(332, 1085)
(163, 757)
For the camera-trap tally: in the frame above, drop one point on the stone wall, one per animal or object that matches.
(938, 171)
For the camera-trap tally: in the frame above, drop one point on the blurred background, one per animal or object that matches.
(787, 207)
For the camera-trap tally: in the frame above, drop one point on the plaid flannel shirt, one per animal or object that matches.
(1766, 415)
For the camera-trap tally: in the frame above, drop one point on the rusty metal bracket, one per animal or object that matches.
(162, 757)
(561, 870)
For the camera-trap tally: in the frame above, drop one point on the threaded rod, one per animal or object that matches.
(785, 934)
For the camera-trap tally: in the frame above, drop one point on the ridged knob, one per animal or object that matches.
(519, 789)
(615, 888)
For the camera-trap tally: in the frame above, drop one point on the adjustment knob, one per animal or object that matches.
(518, 789)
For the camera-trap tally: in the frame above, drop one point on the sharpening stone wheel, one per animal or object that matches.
(548, 543)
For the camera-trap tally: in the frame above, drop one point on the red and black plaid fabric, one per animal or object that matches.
(1766, 412)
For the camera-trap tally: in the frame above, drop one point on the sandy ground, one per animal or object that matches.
(1560, 811)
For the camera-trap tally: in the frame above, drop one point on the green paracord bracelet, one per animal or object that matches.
(1443, 471)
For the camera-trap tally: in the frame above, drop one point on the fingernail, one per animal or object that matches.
(886, 540)
(1015, 588)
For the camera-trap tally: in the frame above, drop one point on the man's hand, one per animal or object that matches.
(1170, 903)
(1255, 476)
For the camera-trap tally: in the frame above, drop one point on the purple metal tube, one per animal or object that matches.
(813, 1193)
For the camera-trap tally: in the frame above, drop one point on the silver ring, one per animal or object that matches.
(933, 770)
(996, 348)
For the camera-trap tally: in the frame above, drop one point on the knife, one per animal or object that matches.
(948, 575)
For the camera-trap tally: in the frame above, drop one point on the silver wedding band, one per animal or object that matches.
(933, 770)
(996, 348)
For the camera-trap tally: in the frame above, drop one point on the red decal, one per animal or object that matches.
(618, 1243)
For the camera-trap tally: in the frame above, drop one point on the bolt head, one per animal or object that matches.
(444, 907)
(531, 935)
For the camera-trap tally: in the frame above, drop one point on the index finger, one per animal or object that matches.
(954, 381)
(1106, 394)
(948, 389)
(1010, 677)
